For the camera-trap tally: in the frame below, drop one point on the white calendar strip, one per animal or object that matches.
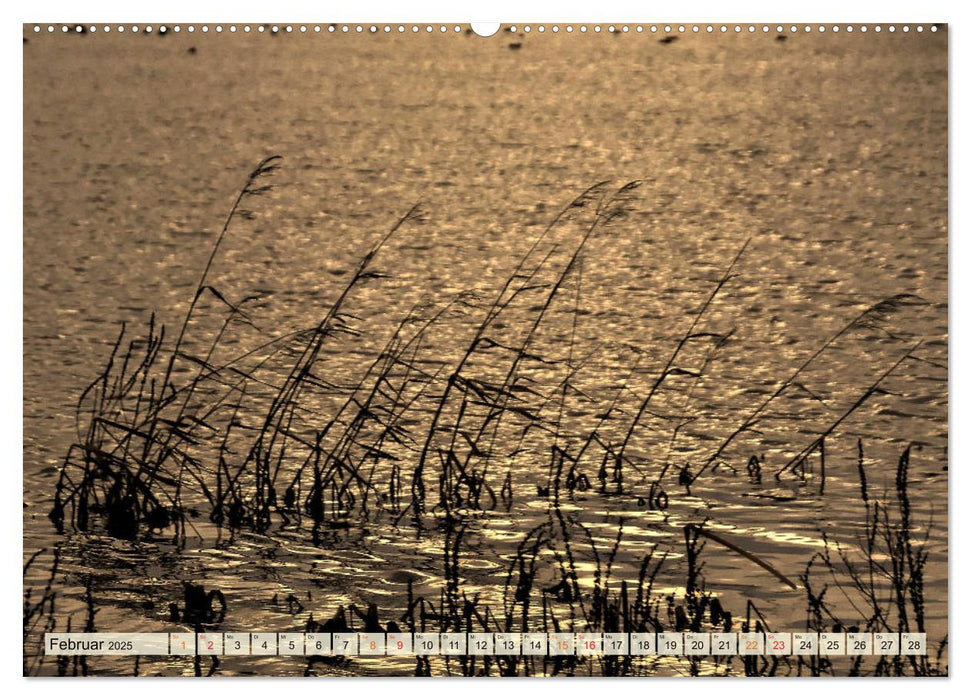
(489, 644)
(106, 644)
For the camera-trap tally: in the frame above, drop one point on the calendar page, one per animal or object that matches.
(523, 349)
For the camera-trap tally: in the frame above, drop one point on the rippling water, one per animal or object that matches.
(827, 153)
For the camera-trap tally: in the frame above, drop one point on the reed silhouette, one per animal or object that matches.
(172, 431)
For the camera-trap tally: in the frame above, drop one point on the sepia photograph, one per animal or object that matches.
(546, 350)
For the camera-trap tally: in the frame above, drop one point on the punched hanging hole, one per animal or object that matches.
(485, 28)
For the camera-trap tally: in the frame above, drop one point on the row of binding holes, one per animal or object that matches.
(429, 29)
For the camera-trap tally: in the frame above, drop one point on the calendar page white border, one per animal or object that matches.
(830, 11)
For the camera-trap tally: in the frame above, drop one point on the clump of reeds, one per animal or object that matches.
(40, 618)
(39, 615)
(168, 430)
(884, 581)
(161, 427)
(139, 420)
